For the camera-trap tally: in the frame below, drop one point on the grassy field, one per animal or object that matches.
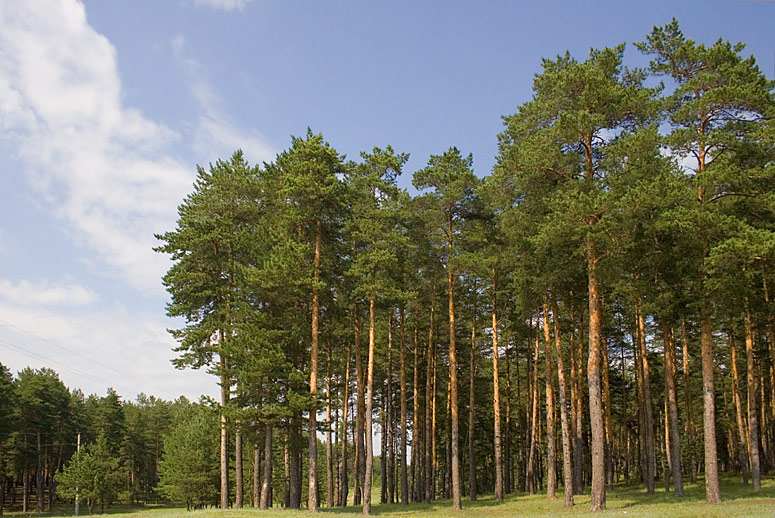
(739, 501)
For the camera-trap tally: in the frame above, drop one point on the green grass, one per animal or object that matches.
(739, 501)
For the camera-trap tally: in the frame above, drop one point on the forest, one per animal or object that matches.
(595, 312)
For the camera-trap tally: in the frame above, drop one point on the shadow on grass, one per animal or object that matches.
(732, 488)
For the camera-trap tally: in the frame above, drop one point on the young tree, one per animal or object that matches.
(188, 471)
(94, 474)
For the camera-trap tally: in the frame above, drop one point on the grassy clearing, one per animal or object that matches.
(739, 501)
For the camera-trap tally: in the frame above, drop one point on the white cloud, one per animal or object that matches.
(226, 5)
(45, 293)
(96, 349)
(104, 166)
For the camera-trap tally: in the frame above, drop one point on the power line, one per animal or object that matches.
(66, 349)
(42, 358)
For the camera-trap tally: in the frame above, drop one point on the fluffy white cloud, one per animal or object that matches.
(45, 293)
(226, 5)
(105, 168)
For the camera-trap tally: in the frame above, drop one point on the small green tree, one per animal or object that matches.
(188, 472)
(94, 474)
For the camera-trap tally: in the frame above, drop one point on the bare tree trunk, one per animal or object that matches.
(551, 460)
(312, 501)
(691, 431)
(753, 417)
(256, 476)
(531, 462)
(609, 432)
(343, 465)
(456, 496)
(507, 471)
(294, 454)
(369, 413)
(712, 489)
(672, 408)
(471, 406)
(430, 410)
(417, 486)
(496, 399)
(771, 349)
(238, 471)
(567, 469)
(593, 377)
(389, 417)
(743, 449)
(402, 375)
(359, 466)
(576, 411)
(266, 484)
(329, 439)
(647, 401)
(225, 392)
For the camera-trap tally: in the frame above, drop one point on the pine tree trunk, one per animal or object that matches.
(551, 460)
(647, 401)
(390, 417)
(266, 484)
(225, 392)
(383, 488)
(753, 417)
(672, 408)
(507, 472)
(343, 465)
(39, 476)
(295, 468)
(691, 431)
(238, 471)
(771, 349)
(416, 436)
(312, 501)
(597, 502)
(567, 469)
(430, 418)
(403, 410)
(471, 406)
(329, 439)
(456, 496)
(737, 401)
(256, 476)
(533, 415)
(609, 433)
(359, 466)
(496, 400)
(577, 411)
(447, 485)
(369, 413)
(434, 442)
(712, 489)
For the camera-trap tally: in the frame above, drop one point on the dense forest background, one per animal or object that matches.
(596, 311)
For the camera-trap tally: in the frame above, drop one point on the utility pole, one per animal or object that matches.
(77, 449)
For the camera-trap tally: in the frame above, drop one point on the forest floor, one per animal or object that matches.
(630, 501)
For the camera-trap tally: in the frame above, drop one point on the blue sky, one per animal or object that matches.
(106, 107)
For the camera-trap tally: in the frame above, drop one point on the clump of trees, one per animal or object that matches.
(551, 324)
(596, 282)
(122, 443)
